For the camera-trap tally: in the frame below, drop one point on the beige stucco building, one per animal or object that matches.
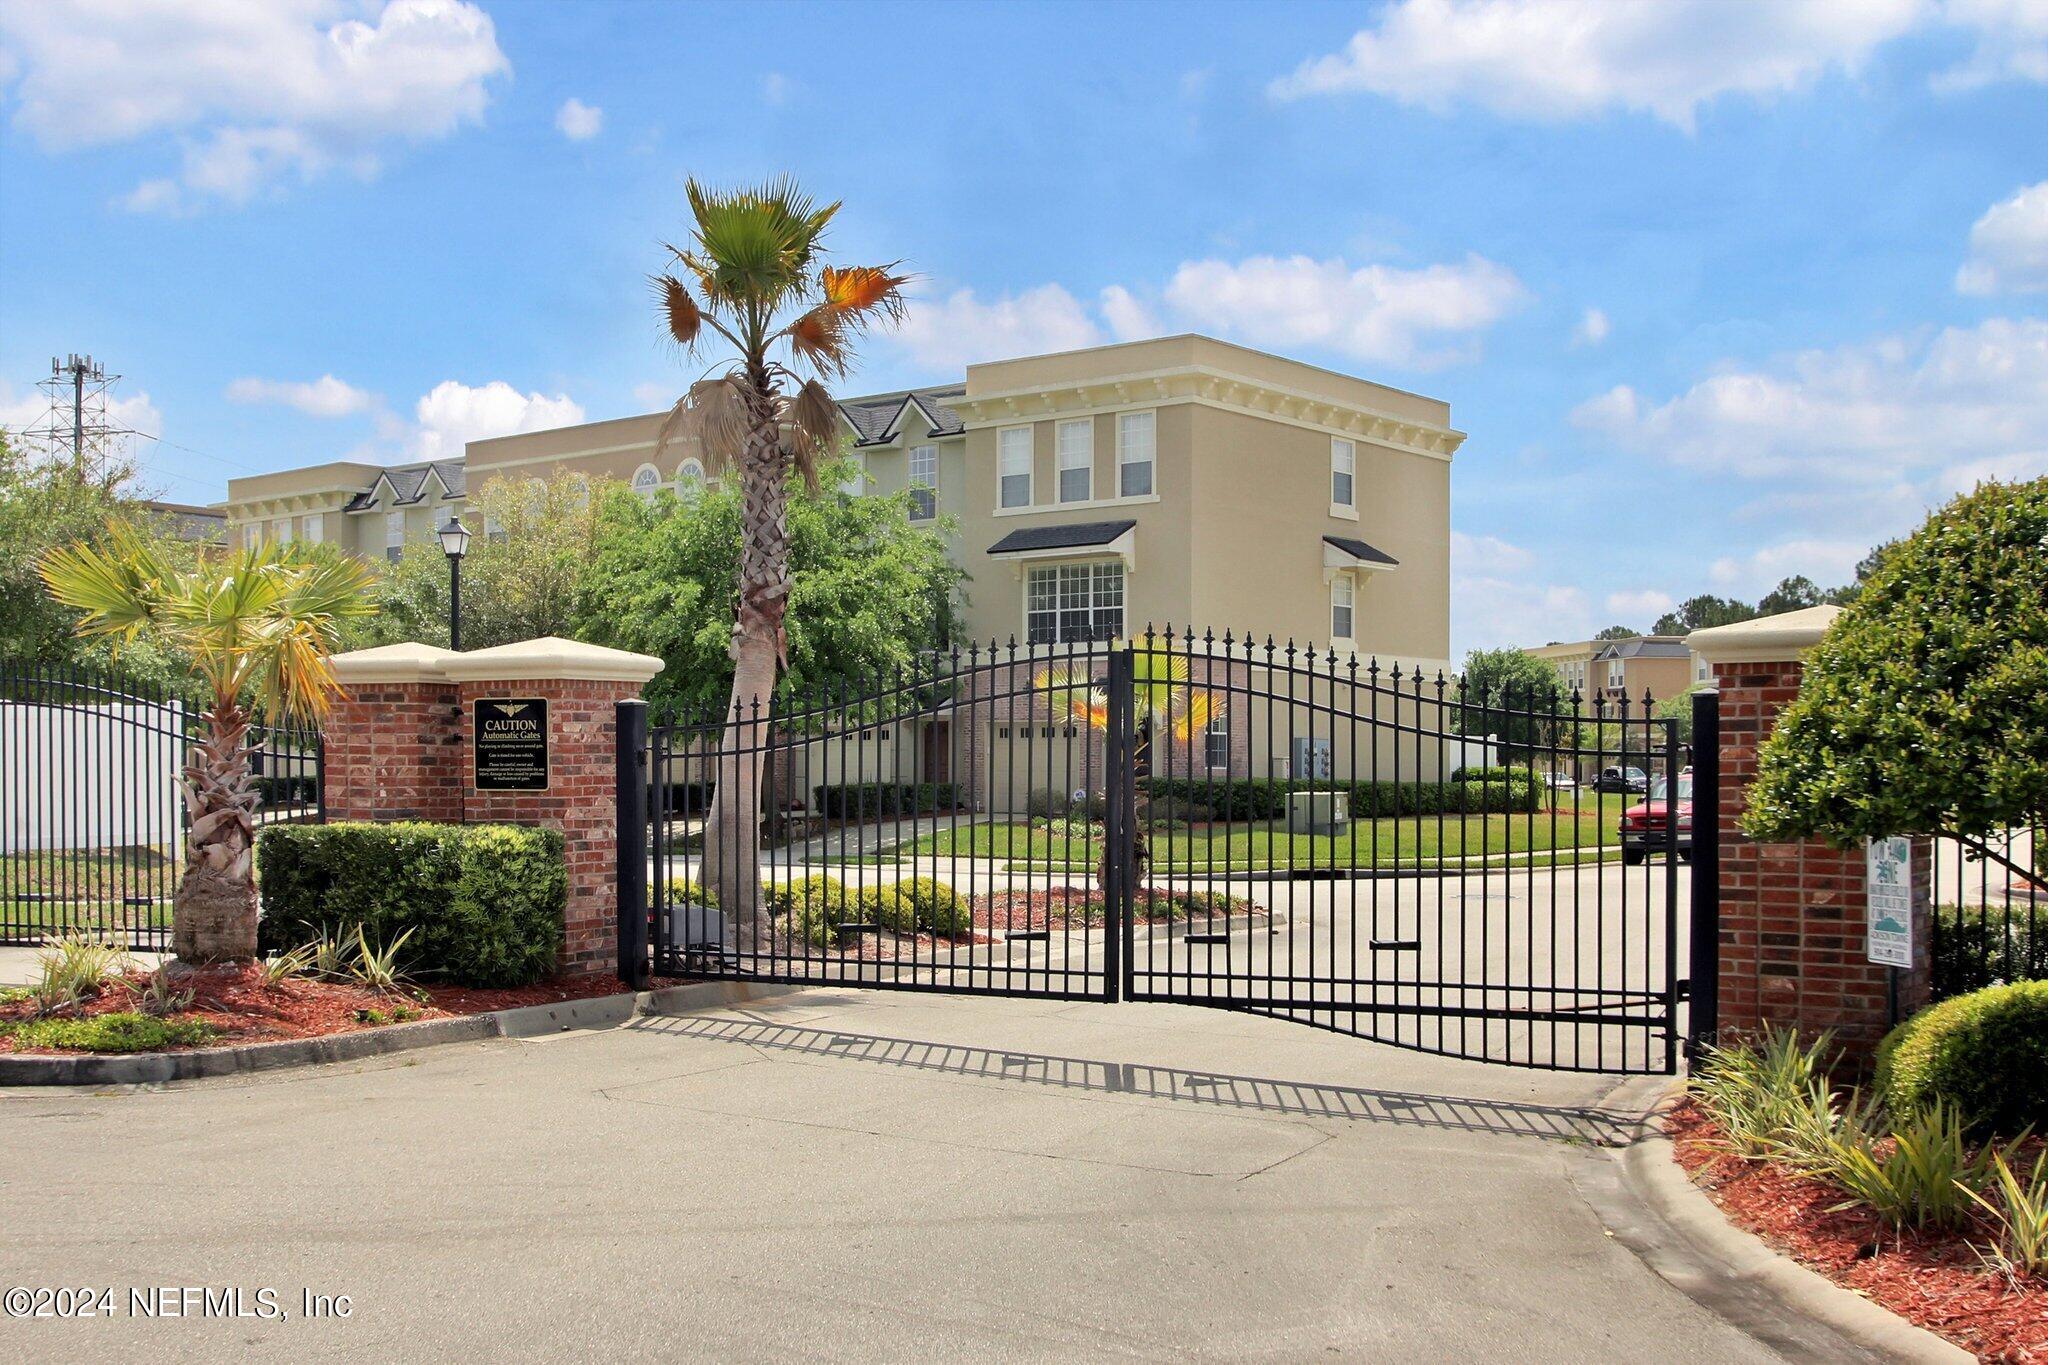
(1183, 480)
(1607, 670)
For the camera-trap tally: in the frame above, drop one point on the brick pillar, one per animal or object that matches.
(582, 685)
(1793, 916)
(391, 738)
(400, 746)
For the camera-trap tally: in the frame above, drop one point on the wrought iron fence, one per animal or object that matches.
(1990, 910)
(92, 823)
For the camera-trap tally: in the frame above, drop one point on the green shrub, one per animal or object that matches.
(126, 1031)
(1260, 798)
(2017, 1207)
(939, 908)
(483, 903)
(1156, 904)
(1975, 948)
(1052, 804)
(688, 892)
(1767, 1096)
(885, 800)
(1986, 1053)
(1926, 1176)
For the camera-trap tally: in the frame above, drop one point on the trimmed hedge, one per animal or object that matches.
(939, 908)
(868, 800)
(814, 908)
(1266, 798)
(485, 902)
(1986, 1053)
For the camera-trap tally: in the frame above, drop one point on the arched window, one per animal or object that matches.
(690, 477)
(646, 479)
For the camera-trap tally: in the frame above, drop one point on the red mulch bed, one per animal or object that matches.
(1936, 1281)
(243, 1009)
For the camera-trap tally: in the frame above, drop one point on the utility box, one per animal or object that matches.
(1318, 812)
(693, 928)
(1308, 758)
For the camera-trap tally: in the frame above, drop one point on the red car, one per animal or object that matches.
(1645, 827)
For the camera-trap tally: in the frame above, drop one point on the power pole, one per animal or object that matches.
(78, 424)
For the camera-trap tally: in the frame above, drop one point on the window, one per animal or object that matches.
(1343, 466)
(394, 535)
(1074, 602)
(1216, 740)
(690, 479)
(924, 482)
(856, 482)
(281, 530)
(1341, 604)
(646, 479)
(1134, 442)
(315, 527)
(1699, 668)
(1617, 673)
(1077, 460)
(1013, 467)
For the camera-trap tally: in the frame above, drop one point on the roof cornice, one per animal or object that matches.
(1212, 388)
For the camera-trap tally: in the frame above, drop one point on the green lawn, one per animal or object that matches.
(1390, 843)
(91, 884)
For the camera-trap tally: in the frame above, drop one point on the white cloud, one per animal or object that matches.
(1899, 407)
(1489, 612)
(1563, 59)
(960, 329)
(1640, 605)
(1375, 313)
(656, 396)
(29, 411)
(323, 397)
(1128, 319)
(1592, 329)
(256, 92)
(776, 88)
(579, 122)
(453, 413)
(1826, 562)
(2012, 42)
(1486, 554)
(2009, 245)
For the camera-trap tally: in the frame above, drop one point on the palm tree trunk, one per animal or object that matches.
(732, 834)
(213, 915)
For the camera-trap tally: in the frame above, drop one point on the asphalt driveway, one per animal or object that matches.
(842, 1175)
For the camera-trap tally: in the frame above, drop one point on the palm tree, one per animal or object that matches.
(258, 625)
(758, 284)
(1163, 700)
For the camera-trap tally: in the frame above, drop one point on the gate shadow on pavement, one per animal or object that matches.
(1597, 1127)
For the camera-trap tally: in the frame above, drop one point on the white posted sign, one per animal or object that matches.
(1888, 890)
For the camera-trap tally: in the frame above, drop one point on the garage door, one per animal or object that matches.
(1048, 758)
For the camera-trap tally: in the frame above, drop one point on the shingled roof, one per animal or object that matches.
(409, 485)
(872, 419)
(1077, 535)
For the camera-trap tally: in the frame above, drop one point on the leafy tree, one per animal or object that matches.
(258, 624)
(1925, 708)
(1502, 687)
(754, 262)
(523, 579)
(1791, 594)
(867, 589)
(1697, 613)
(1617, 633)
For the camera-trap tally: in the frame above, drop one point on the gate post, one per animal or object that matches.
(630, 761)
(1703, 969)
(1120, 826)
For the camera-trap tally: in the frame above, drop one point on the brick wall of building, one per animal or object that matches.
(393, 752)
(1793, 915)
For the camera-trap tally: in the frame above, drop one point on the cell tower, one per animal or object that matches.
(78, 428)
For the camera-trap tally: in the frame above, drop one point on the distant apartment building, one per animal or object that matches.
(1182, 480)
(1608, 670)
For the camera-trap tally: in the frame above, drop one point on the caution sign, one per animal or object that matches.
(511, 742)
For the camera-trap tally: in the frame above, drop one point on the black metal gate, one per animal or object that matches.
(1485, 873)
(92, 826)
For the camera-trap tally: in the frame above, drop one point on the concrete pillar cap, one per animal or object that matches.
(392, 663)
(1785, 637)
(551, 658)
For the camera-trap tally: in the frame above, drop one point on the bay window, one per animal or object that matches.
(1074, 602)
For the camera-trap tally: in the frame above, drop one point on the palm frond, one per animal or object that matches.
(812, 420)
(117, 587)
(864, 289)
(1194, 713)
(820, 339)
(685, 321)
(714, 412)
(754, 246)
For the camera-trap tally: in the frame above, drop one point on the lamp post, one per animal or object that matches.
(454, 544)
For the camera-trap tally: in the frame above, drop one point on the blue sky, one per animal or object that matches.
(1721, 292)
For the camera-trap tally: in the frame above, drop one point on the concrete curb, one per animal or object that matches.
(528, 1021)
(1646, 1200)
